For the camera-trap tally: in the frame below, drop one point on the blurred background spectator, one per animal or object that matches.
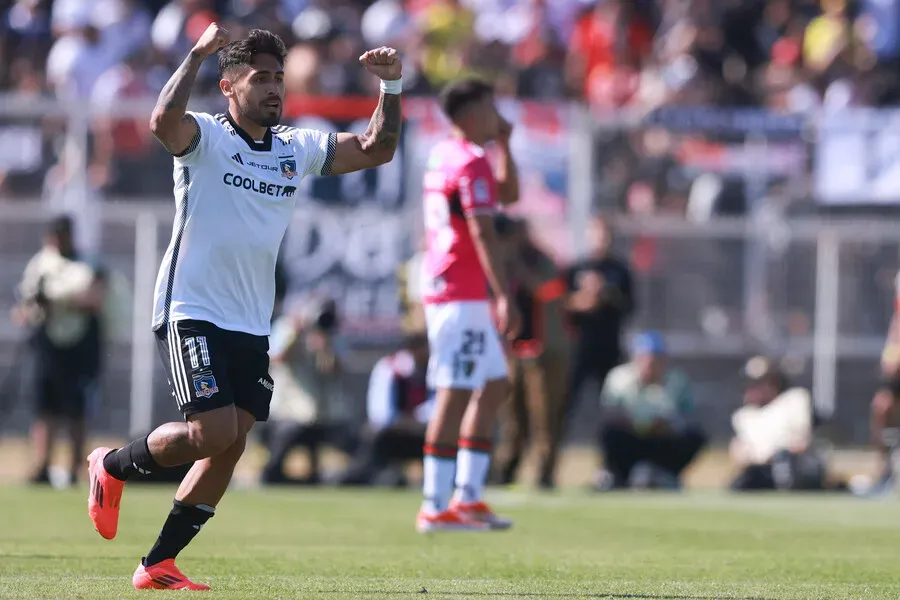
(600, 298)
(650, 431)
(885, 418)
(538, 359)
(409, 284)
(62, 300)
(398, 404)
(307, 410)
(774, 443)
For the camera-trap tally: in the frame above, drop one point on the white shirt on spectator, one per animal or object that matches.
(74, 65)
(381, 398)
(167, 27)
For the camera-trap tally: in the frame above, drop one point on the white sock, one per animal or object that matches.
(471, 473)
(437, 486)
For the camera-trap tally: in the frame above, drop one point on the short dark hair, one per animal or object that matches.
(415, 339)
(457, 96)
(761, 369)
(61, 225)
(240, 53)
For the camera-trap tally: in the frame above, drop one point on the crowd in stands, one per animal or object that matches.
(784, 54)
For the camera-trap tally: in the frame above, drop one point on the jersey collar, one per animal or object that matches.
(264, 146)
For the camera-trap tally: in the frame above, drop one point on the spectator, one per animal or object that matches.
(878, 26)
(306, 408)
(446, 28)
(828, 37)
(649, 434)
(885, 418)
(26, 145)
(409, 280)
(26, 27)
(537, 359)
(599, 300)
(398, 404)
(773, 442)
(62, 299)
(76, 60)
(607, 51)
(124, 160)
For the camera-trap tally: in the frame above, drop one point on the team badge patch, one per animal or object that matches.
(205, 386)
(288, 167)
(482, 193)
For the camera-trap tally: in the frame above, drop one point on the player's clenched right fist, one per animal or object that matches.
(213, 39)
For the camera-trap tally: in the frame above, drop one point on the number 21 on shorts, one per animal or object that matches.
(473, 343)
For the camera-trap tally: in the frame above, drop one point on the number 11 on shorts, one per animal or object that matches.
(192, 345)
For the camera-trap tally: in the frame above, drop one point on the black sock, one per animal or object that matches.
(130, 459)
(183, 524)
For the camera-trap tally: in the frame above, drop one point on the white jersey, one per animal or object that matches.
(234, 198)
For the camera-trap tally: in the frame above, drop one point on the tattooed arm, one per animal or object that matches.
(377, 145)
(170, 125)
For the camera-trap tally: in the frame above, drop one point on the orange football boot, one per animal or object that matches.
(164, 576)
(480, 512)
(104, 495)
(447, 520)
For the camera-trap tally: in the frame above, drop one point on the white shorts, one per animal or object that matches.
(465, 347)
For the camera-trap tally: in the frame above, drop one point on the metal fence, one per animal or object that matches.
(721, 283)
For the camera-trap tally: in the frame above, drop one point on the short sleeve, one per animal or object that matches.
(613, 388)
(207, 125)
(318, 148)
(28, 287)
(477, 188)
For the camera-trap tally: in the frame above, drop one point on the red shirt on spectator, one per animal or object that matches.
(595, 40)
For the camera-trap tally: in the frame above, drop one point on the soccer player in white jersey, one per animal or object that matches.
(467, 365)
(236, 175)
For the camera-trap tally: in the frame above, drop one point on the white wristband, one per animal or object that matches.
(394, 86)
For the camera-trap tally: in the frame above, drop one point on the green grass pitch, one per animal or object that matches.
(360, 544)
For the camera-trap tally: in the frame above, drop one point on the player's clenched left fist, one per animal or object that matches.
(383, 62)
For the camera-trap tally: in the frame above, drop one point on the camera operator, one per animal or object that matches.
(307, 409)
(61, 301)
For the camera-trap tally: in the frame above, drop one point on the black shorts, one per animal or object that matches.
(62, 387)
(63, 394)
(209, 368)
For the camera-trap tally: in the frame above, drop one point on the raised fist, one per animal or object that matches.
(213, 39)
(383, 62)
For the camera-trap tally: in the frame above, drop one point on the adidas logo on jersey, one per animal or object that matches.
(237, 158)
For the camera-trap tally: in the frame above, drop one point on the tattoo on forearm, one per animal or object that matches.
(383, 133)
(177, 91)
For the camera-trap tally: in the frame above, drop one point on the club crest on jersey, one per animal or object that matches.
(481, 191)
(288, 167)
(205, 386)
